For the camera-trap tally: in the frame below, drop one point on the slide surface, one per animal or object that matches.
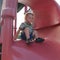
(48, 50)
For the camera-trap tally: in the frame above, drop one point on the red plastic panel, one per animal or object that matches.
(46, 14)
(8, 14)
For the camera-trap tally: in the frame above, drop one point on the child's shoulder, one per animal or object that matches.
(24, 23)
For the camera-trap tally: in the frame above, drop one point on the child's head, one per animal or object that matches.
(29, 17)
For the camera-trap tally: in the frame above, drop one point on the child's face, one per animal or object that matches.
(30, 18)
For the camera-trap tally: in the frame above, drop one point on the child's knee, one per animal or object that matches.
(35, 33)
(26, 29)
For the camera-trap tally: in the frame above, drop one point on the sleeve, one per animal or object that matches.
(22, 26)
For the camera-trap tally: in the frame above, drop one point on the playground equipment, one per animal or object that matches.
(47, 24)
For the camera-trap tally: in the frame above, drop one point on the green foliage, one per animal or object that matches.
(20, 6)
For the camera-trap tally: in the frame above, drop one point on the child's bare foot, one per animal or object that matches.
(32, 40)
(27, 42)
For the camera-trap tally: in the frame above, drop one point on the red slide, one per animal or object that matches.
(47, 24)
(48, 50)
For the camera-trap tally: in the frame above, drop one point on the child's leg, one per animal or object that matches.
(23, 36)
(26, 31)
(36, 34)
(37, 38)
(27, 34)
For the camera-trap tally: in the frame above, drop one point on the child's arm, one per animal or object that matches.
(15, 37)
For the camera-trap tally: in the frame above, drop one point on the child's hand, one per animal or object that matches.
(32, 40)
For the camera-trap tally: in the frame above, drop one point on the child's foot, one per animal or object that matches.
(39, 40)
(27, 42)
(32, 40)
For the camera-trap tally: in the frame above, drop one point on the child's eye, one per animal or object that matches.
(31, 17)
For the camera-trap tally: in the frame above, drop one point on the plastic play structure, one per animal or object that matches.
(47, 24)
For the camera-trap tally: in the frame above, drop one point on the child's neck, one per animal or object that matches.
(28, 23)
